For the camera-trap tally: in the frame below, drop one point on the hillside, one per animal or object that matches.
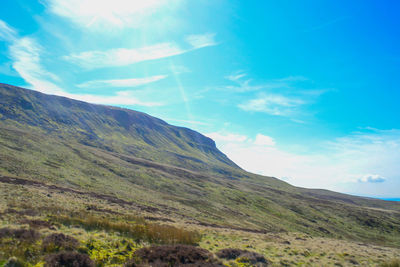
(62, 155)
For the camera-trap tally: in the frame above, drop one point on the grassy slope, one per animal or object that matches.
(137, 158)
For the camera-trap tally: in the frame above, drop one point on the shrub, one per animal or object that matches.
(58, 241)
(166, 234)
(108, 253)
(14, 262)
(173, 255)
(253, 258)
(69, 259)
(21, 243)
(230, 253)
(241, 256)
(26, 235)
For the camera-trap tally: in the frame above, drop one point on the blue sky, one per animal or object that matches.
(306, 91)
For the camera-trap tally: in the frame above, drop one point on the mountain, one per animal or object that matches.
(89, 155)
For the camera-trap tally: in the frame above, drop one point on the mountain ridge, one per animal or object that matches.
(139, 124)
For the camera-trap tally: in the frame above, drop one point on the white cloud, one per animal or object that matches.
(120, 98)
(348, 164)
(104, 14)
(201, 40)
(371, 178)
(273, 104)
(218, 137)
(260, 140)
(122, 82)
(264, 140)
(126, 56)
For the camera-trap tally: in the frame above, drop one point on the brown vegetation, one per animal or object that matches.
(58, 242)
(154, 233)
(69, 259)
(26, 235)
(37, 224)
(173, 255)
(243, 255)
(392, 263)
(20, 243)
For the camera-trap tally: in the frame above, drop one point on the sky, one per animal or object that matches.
(306, 91)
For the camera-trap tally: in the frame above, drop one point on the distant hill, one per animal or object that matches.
(129, 157)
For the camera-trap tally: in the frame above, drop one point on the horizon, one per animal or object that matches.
(311, 100)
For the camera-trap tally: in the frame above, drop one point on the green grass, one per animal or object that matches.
(139, 159)
(110, 239)
(70, 156)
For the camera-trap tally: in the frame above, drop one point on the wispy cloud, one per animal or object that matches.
(6, 32)
(126, 56)
(25, 54)
(234, 77)
(120, 98)
(100, 15)
(242, 83)
(279, 97)
(121, 82)
(201, 40)
(272, 104)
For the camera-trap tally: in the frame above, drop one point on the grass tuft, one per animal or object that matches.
(392, 263)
